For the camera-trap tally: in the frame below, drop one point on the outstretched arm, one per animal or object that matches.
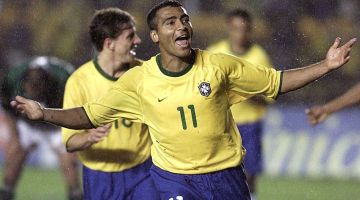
(318, 114)
(74, 118)
(335, 58)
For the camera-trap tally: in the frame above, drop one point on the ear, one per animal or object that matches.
(154, 36)
(109, 44)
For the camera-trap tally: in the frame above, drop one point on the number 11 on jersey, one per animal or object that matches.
(182, 116)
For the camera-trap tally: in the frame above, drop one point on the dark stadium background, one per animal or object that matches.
(295, 33)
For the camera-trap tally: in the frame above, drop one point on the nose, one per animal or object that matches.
(137, 40)
(181, 25)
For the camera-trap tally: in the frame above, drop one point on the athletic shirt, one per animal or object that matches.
(128, 143)
(247, 111)
(188, 113)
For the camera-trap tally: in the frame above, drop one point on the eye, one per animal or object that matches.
(170, 22)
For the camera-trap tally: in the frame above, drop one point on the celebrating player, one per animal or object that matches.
(43, 79)
(116, 157)
(184, 96)
(248, 115)
(318, 114)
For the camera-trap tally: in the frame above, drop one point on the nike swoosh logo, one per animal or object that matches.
(160, 100)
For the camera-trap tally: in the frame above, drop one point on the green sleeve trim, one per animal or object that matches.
(279, 90)
(176, 74)
(88, 118)
(102, 72)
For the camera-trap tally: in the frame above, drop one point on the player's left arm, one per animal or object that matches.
(318, 114)
(336, 57)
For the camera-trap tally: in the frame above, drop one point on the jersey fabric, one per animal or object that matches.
(127, 145)
(188, 113)
(246, 112)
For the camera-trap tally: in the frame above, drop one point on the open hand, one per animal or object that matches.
(98, 134)
(28, 108)
(317, 114)
(338, 56)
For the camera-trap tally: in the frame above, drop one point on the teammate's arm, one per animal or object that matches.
(74, 118)
(87, 138)
(318, 114)
(335, 58)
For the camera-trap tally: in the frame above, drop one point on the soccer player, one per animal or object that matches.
(42, 78)
(320, 113)
(184, 96)
(116, 157)
(248, 115)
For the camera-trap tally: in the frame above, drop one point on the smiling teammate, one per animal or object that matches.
(116, 157)
(184, 96)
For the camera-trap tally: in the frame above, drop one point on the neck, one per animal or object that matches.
(176, 64)
(240, 49)
(111, 65)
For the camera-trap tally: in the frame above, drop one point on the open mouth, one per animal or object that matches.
(183, 41)
(133, 51)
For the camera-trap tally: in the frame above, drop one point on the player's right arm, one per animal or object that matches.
(318, 114)
(74, 118)
(122, 100)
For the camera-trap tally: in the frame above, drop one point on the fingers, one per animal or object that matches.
(13, 104)
(336, 43)
(313, 116)
(350, 43)
(20, 99)
(108, 125)
(346, 59)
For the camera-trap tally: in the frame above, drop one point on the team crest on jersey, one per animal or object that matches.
(204, 89)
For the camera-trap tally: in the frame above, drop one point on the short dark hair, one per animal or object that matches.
(109, 23)
(241, 13)
(151, 16)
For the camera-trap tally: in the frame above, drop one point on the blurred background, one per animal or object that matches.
(301, 162)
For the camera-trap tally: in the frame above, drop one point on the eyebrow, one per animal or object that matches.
(169, 18)
(184, 15)
(174, 17)
(131, 35)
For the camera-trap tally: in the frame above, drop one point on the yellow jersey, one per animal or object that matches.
(128, 143)
(188, 113)
(247, 111)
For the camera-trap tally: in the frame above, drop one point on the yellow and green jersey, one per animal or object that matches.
(247, 111)
(128, 143)
(188, 113)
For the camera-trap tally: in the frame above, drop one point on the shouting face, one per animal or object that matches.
(173, 32)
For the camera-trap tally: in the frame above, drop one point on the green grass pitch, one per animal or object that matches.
(37, 184)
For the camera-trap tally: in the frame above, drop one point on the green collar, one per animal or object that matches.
(176, 74)
(102, 72)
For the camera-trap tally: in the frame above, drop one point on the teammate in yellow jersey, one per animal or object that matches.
(116, 157)
(249, 114)
(184, 96)
(318, 114)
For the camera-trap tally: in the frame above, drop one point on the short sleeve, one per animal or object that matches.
(245, 79)
(73, 97)
(122, 100)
